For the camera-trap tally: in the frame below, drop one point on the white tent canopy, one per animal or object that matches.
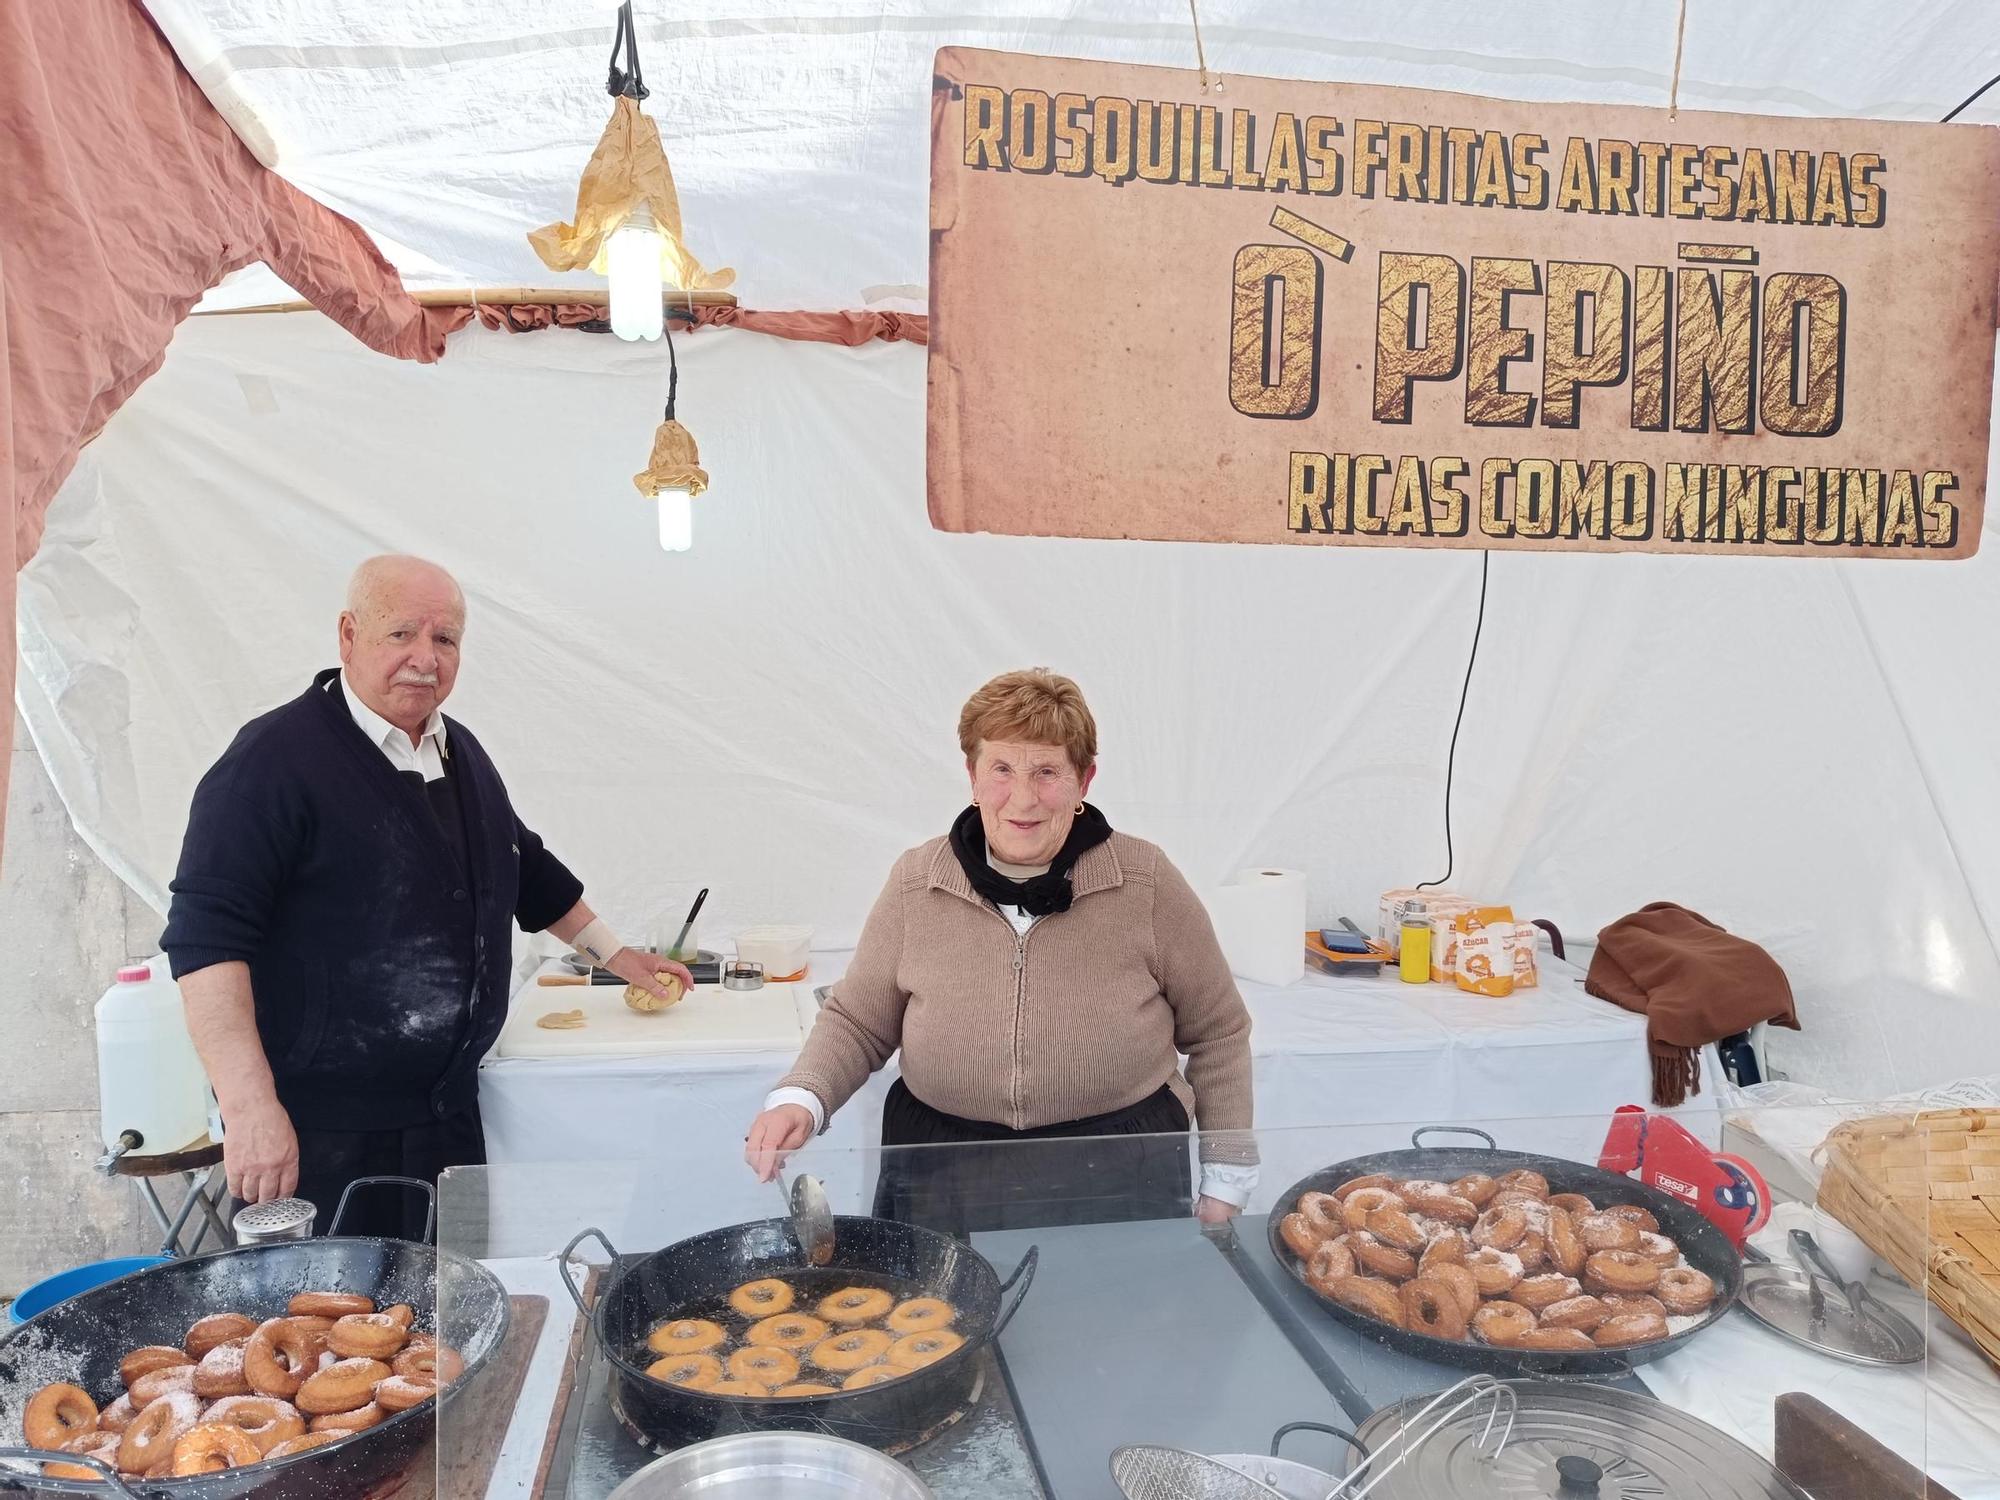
(1801, 750)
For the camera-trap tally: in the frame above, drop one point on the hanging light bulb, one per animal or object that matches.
(676, 520)
(673, 475)
(632, 260)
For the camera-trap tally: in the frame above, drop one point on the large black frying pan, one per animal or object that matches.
(81, 1340)
(693, 1278)
(1703, 1246)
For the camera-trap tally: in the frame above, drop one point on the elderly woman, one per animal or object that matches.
(1041, 975)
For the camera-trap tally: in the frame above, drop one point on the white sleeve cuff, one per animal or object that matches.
(1227, 1184)
(804, 1098)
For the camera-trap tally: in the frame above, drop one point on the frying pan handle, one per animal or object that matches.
(99, 1464)
(1417, 1135)
(562, 1265)
(1025, 1274)
(430, 1201)
(1340, 1432)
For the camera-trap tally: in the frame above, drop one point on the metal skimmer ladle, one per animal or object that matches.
(812, 1217)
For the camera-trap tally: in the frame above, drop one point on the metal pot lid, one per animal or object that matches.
(775, 1466)
(1574, 1442)
(1790, 1301)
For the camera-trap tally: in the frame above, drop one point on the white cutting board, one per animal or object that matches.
(709, 1019)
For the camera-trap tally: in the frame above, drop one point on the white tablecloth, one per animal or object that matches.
(1342, 1066)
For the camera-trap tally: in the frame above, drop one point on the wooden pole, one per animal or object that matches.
(500, 296)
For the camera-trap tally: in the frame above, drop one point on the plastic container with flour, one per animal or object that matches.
(149, 1077)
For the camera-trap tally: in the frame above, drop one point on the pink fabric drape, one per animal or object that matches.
(850, 327)
(123, 197)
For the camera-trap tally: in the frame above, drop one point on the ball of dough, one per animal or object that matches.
(645, 1001)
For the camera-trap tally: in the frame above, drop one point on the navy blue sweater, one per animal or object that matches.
(379, 964)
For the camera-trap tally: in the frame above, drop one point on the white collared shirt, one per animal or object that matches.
(427, 755)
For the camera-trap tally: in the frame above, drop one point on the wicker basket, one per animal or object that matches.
(1924, 1192)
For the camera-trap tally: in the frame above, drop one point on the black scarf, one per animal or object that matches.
(1041, 894)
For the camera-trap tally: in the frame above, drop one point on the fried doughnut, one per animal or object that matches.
(101, 1446)
(149, 1441)
(1476, 1188)
(402, 1315)
(266, 1422)
(1502, 1324)
(57, 1413)
(794, 1331)
(1572, 1203)
(1639, 1218)
(313, 1324)
(220, 1372)
(1356, 1184)
(1323, 1213)
(145, 1361)
(305, 1444)
(1620, 1271)
(1683, 1290)
(149, 1387)
(1462, 1284)
(913, 1351)
(1605, 1231)
(692, 1372)
(1330, 1262)
(401, 1392)
(1296, 1230)
(1538, 1292)
(343, 1386)
(760, 1364)
(1378, 1259)
(1501, 1228)
(1657, 1248)
(1524, 1181)
(1554, 1339)
(1368, 1296)
(685, 1336)
(854, 1305)
(1534, 1253)
(278, 1357)
(1584, 1313)
(1566, 1248)
(1447, 1208)
(1432, 1307)
(329, 1304)
(921, 1315)
(1410, 1189)
(1619, 1304)
(850, 1350)
(765, 1298)
(1517, 1198)
(873, 1375)
(438, 1363)
(213, 1447)
(1358, 1205)
(1494, 1271)
(1447, 1249)
(222, 1328)
(118, 1416)
(366, 1336)
(1628, 1329)
(359, 1420)
(1394, 1226)
(808, 1388)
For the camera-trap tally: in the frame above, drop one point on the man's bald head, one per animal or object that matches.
(399, 637)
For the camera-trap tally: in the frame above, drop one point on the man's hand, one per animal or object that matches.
(642, 969)
(1214, 1210)
(260, 1153)
(774, 1135)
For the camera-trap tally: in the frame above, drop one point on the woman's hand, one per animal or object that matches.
(1214, 1210)
(774, 1135)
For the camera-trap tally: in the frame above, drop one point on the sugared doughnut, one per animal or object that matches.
(761, 1364)
(101, 1446)
(1585, 1313)
(921, 1315)
(1684, 1290)
(1476, 1188)
(1432, 1307)
(1370, 1297)
(402, 1315)
(1502, 1324)
(220, 1372)
(1657, 1248)
(1501, 1228)
(1462, 1284)
(149, 1387)
(1554, 1339)
(1358, 1205)
(1323, 1212)
(1538, 1292)
(212, 1447)
(329, 1305)
(813, 1388)
(851, 1350)
(118, 1416)
(686, 1336)
(343, 1386)
(1447, 1249)
(1618, 1304)
(1330, 1262)
(854, 1305)
(1378, 1259)
(794, 1331)
(401, 1392)
(764, 1298)
(278, 1357)
(872, 1375)
(1534, 1253)
(265, 1421)
(1395, 1226)
(1572, 1203)
(222, 1328)
(366, 1336)
(1524, 1181)
(1624, 1271)
(1566, 1248)
(1356, 1184)
(57, 1413)
(1606, 1231)
(693, 1372)
(145, 1361)
(1495, 1271)
(1639, 1218)
(1296, 1230)
(359, 1420)
(1447, 1208)
(1627, 1329)
(438, 1363)
(149, 1441)
(915, 1350)
(305, 1444)
(314, 1324)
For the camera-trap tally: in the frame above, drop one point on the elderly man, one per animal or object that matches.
(341, 915)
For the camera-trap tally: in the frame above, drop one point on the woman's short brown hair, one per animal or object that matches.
(1033, 706)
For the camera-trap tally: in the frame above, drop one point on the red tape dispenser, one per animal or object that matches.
(1726, 1190)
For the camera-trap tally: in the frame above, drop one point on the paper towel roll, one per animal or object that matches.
(1260, 920)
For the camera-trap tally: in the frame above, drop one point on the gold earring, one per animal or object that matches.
(975, 802)
(1079, 809)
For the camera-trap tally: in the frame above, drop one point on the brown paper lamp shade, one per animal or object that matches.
(675, 464)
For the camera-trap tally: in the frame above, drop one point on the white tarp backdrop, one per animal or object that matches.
(1801, 750)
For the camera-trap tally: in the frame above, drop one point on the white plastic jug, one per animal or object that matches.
(149, 1077)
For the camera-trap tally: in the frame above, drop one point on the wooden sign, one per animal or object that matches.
(1308, 312)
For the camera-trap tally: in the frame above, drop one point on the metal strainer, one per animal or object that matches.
(1145, 1471)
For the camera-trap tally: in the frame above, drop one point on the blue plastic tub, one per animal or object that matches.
(47, 1292)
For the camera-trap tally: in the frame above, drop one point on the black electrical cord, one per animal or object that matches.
(673, 369)
(1970, 99)
(629, 80)
(1465, 689)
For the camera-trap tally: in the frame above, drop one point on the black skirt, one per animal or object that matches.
(996, 1178)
